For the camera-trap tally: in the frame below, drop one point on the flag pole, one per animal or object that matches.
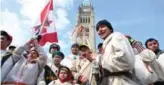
(54, 20)
(44, 19)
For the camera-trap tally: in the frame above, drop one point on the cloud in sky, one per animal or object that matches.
(19, 24)
(64, 3)
(11, 23)
(61, 19)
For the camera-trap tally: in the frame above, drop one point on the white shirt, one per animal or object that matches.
(67, 61)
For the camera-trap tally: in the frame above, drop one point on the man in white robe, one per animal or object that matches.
(83, 67)
(118, 57)
(143, 62)
(26, 70)
(153, 45)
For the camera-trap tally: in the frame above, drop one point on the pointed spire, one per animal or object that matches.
(86, 3)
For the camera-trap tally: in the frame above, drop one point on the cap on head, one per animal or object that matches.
(58, 53)
(54, 46)
(104, 22)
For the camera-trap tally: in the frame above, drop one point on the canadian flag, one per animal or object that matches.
(46, 27)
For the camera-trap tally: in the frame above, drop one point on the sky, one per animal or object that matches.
(141, 19)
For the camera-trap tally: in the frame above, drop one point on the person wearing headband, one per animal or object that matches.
(65, 77)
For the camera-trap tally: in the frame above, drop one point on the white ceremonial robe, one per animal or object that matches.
(118, 57)
(24, 71)
(9, 63)
(57, 82)
(149, 57)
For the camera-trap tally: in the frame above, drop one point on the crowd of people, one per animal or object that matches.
(120, 60)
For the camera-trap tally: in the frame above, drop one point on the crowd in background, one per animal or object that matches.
(120, 60)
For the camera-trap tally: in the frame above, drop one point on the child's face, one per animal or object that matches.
(63, 74)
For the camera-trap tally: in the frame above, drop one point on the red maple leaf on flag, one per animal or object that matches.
(46, 28)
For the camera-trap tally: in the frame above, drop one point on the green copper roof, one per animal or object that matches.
(86, 3)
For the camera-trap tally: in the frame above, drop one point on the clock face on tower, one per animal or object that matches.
(86, 10)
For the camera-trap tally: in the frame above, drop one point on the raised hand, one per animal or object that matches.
(83, 79)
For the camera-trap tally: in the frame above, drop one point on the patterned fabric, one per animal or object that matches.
(49, 75)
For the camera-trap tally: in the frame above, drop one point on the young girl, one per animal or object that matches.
(65, 77)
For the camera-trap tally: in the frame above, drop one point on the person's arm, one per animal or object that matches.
(118, 55)
(149, 58)
(41, 80)
(17, 54)
(42, 55)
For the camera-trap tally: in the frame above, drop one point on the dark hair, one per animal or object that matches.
(100, 45)
(12, 47)
(83, 47)
(4, 33)
(149, 40)
(54, 46)
(104, 22)
(75, 45)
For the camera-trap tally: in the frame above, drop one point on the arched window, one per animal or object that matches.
(87, 29)
(81, 20)
(88, 20)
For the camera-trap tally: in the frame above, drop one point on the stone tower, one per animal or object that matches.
(85, 19)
